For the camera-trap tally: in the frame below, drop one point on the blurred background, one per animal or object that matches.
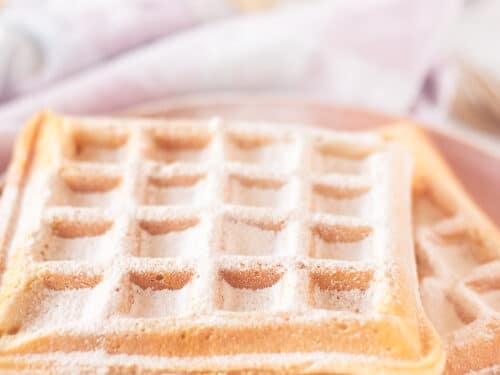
(437, 61)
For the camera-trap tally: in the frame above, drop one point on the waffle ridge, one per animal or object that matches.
(458, 259)
(203, 245)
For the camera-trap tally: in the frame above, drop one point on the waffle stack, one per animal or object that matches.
(147, 246)
(458, 260)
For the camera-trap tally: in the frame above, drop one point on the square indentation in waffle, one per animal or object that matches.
(86, 186)
(444, 247)
(267, 150)
(345, 155)
(441, 309)
(341, 240)
(177, 187)
(75, 234)
(256, 233)
(171, 234)
(180, 142)
(457, 251)
(250, 287)
(57, 299)
(487, 289)
(156, 294)
(97, 143)
(340, 197)
(260, 191)
(341, 289)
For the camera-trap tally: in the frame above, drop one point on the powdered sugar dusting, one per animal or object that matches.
(439, 307)
(354, 300)
(185, 242)
(152, 230)
(244, 299)
(457, 282)
(148, 303)
(241, 238)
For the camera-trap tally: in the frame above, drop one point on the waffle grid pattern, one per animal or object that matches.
(142, 243)
(454, 267)
(140, 231)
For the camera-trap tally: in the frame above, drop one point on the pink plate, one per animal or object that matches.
(477, 169)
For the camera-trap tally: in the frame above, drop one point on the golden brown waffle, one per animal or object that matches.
(458, 261)
(148, 246)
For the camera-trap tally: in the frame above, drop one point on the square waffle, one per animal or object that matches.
(458, 261)
(149, 246)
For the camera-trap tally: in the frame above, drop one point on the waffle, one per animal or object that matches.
(149, 246)
(458, 261)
